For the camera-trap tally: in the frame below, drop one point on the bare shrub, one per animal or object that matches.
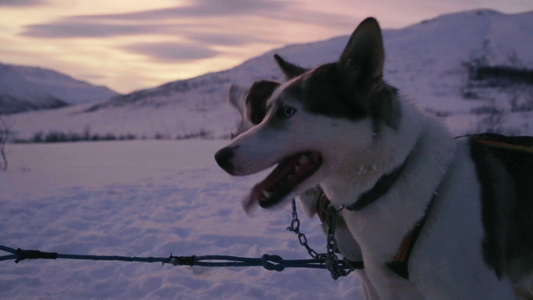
(5, 134)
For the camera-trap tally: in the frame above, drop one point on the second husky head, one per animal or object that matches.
(321, 123)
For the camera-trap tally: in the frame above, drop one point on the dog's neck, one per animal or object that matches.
(430, 148)
(381, 187)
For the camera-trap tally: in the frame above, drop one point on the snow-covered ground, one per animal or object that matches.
(145, 198)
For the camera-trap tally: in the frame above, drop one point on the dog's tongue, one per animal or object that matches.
(280, 172)
(251, 202)
(278, 185)
(248, 205)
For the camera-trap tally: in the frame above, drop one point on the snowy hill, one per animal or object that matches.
(438, 62)
(30, 88)
(18, 94)
(62, 86)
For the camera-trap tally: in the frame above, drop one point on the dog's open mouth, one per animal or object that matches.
(290, 172)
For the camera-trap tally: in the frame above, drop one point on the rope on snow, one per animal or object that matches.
(269, 262)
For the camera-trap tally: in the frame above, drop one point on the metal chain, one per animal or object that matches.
(332, 261)
(295, 227)
(335, 267)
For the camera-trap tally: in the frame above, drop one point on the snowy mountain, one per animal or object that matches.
(30, 88)
(62, 86)
(18, 94)
(464, 67)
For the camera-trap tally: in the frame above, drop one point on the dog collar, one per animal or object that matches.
(380, 188)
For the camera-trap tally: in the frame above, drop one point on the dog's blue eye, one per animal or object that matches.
(286, 111)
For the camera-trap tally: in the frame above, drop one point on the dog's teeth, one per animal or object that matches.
(267, 194)
(303, 159)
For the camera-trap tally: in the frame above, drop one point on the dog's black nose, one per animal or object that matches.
(223, 157)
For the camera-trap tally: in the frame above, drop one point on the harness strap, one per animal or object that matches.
(400, 262)
(504, 145)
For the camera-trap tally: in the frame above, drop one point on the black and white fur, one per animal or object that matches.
(342, 127)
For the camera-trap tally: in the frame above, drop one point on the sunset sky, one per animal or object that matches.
(129, 45)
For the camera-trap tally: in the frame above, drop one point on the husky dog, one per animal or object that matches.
(243, 100)
(452, 218)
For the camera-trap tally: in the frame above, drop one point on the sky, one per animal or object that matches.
(129, 45)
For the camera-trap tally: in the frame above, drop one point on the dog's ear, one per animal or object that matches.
(362, 59)
(237, 99)
(290, 70)
(237, 96)
(256, 100)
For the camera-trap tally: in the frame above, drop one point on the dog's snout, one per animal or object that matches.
(223, 158)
